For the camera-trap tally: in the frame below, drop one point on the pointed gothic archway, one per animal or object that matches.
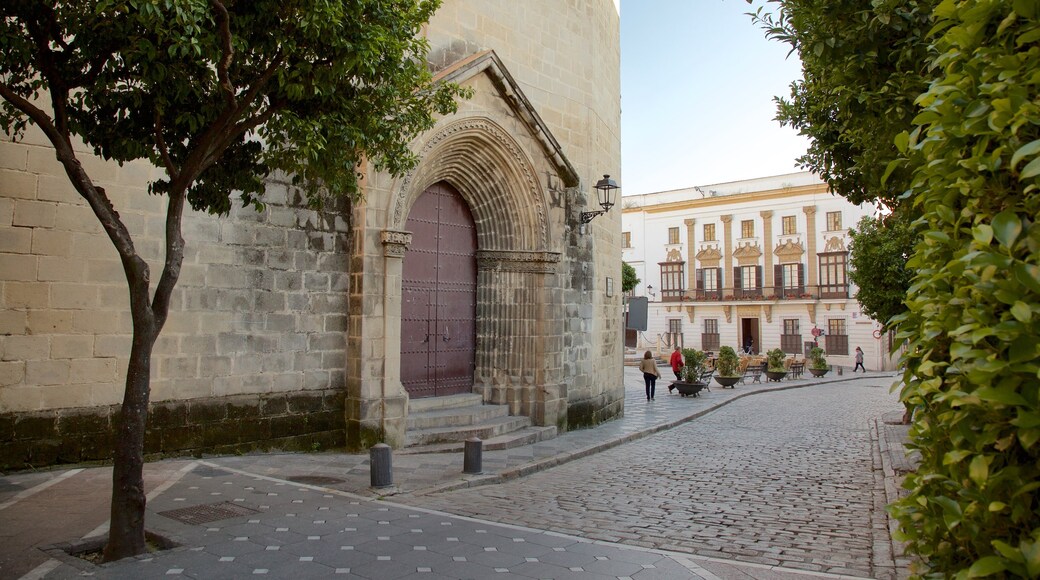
(438, 296)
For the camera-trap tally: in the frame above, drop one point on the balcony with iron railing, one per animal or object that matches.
(767, 294)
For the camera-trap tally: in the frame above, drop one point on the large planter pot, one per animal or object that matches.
(818, 372)
(727, 381)
(776, 376)
(688, 389)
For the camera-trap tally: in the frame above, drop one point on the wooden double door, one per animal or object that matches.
(439, 296)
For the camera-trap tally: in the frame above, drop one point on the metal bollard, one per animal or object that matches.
(472, 456)
(380, 463)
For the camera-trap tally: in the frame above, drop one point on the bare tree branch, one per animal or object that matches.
(164, 150)
(224, 26)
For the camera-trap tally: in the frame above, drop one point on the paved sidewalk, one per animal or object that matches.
(305, 515)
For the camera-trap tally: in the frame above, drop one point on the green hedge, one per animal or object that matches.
(973, 327)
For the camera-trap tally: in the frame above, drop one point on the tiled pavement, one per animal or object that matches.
(281, 515)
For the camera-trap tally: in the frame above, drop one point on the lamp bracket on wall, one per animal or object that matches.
(606, 191)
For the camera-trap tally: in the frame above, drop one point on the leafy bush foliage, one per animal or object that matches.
(964, 166)
(727, 362)
(775, 359)
(973, 362)
(878, 255)
(818, 361)
(694, 360)
(629, 278)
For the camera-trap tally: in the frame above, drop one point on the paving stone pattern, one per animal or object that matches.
(309, 532)
(784, 479)
(734, 484)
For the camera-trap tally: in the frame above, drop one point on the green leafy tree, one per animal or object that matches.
(968, 162)
(629, 280)
(219, 94)
(879, 252)
(863, 64)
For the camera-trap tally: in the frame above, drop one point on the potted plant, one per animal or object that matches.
(726, 367)
(818, 365)
(775, 369)
(692, 370)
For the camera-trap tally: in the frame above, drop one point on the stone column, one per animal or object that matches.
(767, 246)
(377, 404)
(691, 251)
(810, 245)
(518, 351)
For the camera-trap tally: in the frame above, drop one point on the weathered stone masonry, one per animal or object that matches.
(285, 325)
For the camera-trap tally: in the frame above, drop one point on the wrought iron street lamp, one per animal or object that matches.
(606, 189)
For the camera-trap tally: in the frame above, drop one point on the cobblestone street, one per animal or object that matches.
(785, 479)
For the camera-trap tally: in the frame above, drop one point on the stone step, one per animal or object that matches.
(526, 436)
(455, 416)
(485, 430)
(432, 403)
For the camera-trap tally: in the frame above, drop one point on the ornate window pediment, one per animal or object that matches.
(748, 254)
(834, 244)
(789, 251)
(674, 255)
(709, 257)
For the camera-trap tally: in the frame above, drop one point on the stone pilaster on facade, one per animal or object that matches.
(810, 218)
(727, 239)
(691, 252)
(767, 235)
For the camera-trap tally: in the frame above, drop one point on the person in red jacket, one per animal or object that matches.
(677, 364)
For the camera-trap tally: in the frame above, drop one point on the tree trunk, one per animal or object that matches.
(126, 528)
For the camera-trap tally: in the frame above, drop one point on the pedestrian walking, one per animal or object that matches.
(859, 360)
(677, 363)
(650, 373)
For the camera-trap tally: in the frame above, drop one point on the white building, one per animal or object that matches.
(754, 264)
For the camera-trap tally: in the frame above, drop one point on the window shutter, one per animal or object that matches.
(758, 278)
(801, 278)
(778, 280)
(718, 279)
(700, 278)
(736, 280)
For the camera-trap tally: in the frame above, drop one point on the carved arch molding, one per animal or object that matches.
(495, 177)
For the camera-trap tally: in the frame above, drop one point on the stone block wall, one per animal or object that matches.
(305, 421)
(259, 310)
(263, 307)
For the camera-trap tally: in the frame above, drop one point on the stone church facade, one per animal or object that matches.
(294, 329)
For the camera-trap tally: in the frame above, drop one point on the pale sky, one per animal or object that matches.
(697, 85)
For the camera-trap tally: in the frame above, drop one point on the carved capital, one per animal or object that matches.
(395, 243)
(766, 214)
(689, 313)
(812, 313)
(726, 219)
(689, 222)
(768, 308)
(518, 261)
(810, 210)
